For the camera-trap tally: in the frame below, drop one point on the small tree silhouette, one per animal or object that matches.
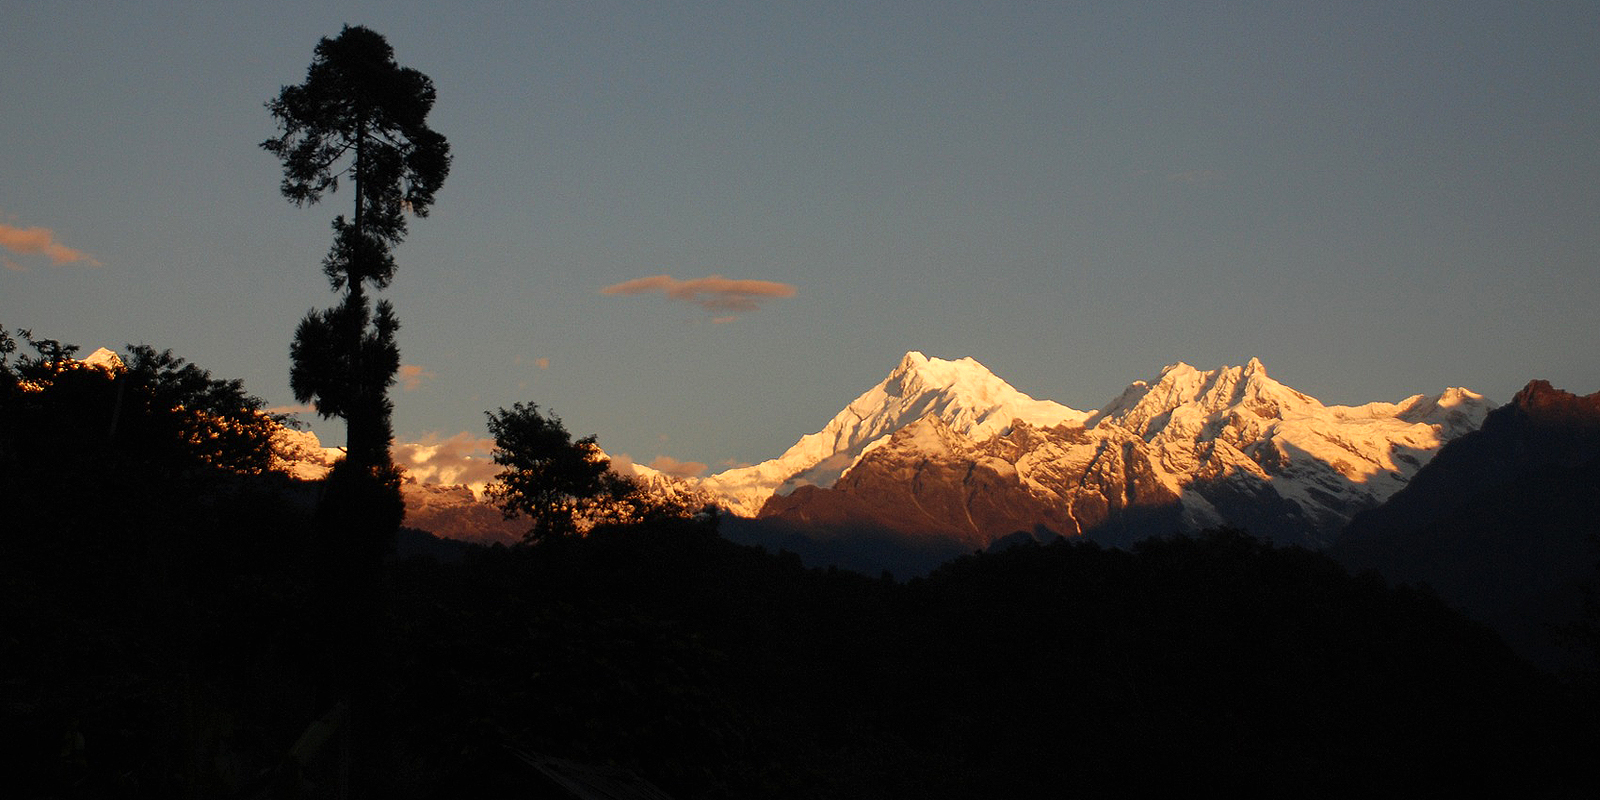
(561, 485)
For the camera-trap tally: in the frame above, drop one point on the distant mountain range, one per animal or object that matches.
(945, 457)
(1496, 510)
(945, 451)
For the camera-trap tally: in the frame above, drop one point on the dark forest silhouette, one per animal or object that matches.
(163, 610)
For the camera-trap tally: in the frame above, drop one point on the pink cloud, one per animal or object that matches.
(712, 293)
(412, 376)
(41, 241)
(459, 459)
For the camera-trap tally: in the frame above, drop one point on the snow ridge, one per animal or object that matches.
(963, 394)
(1206, 440)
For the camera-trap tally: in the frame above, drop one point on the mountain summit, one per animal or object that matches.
(946, 449)
(963, 394)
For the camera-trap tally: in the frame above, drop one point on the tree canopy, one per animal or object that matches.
(561, 485)
(147, 414)
(359, 115)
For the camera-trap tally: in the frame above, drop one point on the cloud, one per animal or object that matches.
(41, 241)
(412, 376)
(713, 293)
(623, 464)
(459, 459)
(306, 408)
(676, 468)
(542, 363)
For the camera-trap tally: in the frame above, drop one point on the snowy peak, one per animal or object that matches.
(1190, 395)
(106, 359)
(963, 394)
(1454, 411)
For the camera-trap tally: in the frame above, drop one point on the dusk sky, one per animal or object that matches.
(698, 230)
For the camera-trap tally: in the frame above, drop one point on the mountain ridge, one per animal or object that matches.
(1500, 522)
(946, 450)
(1190, 449)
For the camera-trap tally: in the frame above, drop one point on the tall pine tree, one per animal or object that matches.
(362, 118)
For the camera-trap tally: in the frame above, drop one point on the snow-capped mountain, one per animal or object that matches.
(963, 394)
(670, 489)
(947, 449)
(300, 454)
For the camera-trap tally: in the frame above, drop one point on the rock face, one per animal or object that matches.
(1500, 523)
(1190, 450)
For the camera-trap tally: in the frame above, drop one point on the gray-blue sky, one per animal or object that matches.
(1376, 199)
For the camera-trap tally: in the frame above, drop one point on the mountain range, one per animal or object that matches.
(944, 456)
(1491, 508)
(945, 451)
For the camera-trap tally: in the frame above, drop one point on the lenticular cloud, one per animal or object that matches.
(713, 293)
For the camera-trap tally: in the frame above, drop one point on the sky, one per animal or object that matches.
(697, 230)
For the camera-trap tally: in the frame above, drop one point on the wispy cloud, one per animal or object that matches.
(413, 375)
(713, 293)
(623, 464)
(459, 459)
(40, 241)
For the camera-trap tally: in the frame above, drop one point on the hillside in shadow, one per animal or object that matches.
(1502, 523)
(169, 621)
